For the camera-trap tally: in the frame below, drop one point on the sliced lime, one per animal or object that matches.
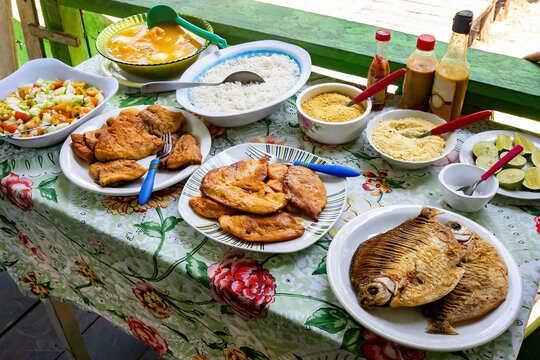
(528, 145)
(516, 163)
(485, 162)
(532, 178)
(486, 148)
(511, 178)
(504, 142)
(535, 157)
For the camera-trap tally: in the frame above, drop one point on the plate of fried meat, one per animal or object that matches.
(425, 277)
(261, 203)
(110, 154)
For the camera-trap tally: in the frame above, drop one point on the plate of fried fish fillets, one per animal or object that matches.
(110, 154)
(425, 277)
(260, 203)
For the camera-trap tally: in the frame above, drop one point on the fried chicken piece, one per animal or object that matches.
(160, 121)
(124, 140)
(114, 173)
(209, 208)
(242, 173)
(90, 137)
(186, 151)
(306, 191)
(258, 199)
(80, 148)
(270, 228)
(276, 174)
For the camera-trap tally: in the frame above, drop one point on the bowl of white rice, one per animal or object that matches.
(284, 67)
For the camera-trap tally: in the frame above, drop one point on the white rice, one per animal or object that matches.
(279, 72)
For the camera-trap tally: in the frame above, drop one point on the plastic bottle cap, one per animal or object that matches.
(382, 35)
(462, 22)
(425, 42)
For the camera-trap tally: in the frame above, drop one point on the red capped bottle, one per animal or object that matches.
(379, 67)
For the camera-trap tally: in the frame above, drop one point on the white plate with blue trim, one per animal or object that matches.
(250, 49)
(336, 189)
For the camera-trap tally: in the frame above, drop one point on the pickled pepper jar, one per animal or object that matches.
(379, 68)
(419, 77)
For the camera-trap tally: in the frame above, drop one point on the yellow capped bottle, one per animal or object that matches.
(452, 74)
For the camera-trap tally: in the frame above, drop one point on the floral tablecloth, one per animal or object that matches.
(147, 271)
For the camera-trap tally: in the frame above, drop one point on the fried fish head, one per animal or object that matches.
(463, 235)
(376, 292)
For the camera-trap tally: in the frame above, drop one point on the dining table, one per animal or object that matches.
(143, 268)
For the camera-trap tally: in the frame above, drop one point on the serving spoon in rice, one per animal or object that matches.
(243, 77)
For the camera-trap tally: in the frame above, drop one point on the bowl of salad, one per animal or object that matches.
(45, 100)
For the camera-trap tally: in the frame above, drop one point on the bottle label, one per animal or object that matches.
(442, 97)
(380, 97)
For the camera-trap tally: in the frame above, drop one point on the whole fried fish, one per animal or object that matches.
(482, 288)
(412, 264)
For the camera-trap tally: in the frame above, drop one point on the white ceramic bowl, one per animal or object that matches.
(256, 48)
(450, 138)
(454, 176)
(327, 132)
(50, 69)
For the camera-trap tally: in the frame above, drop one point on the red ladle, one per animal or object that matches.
(454, 124)
(378, 86)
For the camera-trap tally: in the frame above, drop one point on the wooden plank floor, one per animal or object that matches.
(27, 334)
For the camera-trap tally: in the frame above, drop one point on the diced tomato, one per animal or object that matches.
(58, 84)
(46, 111)
(11, 128)
(94, 101)
(60, 107)
(84, 111)
(22, 116)
(2, 125)
(35, 85)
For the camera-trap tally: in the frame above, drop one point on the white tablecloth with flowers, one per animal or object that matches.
(147, 271)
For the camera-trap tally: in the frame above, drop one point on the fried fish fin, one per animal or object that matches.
(209, 208)
(482, 288)
(270, 228)
(412, 264)
(306, 191)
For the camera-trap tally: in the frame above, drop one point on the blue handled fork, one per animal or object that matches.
(148, 185)
(335, 170)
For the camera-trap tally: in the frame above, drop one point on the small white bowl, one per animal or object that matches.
(50, 69)
(450, 138)
(327, 132)
(248, 116)
(454, 176)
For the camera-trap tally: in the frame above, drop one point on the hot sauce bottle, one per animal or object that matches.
(452, 74)
(379, 67)
(418, 80)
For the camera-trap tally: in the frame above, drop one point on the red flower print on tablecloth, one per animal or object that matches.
(234, 354)
(200, 357)
(123, 205)
(537, 221)
(18, 190)
(215, 130)
(34, 249)
(239, 281)
(40, 289)
(376, 183)
(378, 348)
(84, 270)
(151, 300)
(98, 245)
(148, 335)
(269, 139)
(305, 122)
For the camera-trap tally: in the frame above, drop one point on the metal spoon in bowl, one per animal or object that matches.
(453, 125)
(244, 77)
(469, 189)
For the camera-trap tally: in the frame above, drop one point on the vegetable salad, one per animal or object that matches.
(47, 106)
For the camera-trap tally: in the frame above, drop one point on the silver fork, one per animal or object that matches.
(148, 185)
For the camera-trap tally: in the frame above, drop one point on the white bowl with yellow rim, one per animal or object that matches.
(450, 138)
(331, 132)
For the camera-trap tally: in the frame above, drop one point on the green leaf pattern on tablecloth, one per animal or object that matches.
(147, 271)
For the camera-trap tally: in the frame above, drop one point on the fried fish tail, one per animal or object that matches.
(441, 326)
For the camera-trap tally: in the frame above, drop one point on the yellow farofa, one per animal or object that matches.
(388, 138)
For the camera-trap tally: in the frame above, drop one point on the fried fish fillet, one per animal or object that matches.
(276, 174)
(276, 227)
(247, 173)
(186, 151)
(482, 288)
(160, 121)
(209, 208)
(91, 137)
(412, 264)
(124, 140)
(305, 190)
(80, 148)
(114, 173)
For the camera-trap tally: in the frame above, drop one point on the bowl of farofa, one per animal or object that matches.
(323, 116)
(385, 134)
